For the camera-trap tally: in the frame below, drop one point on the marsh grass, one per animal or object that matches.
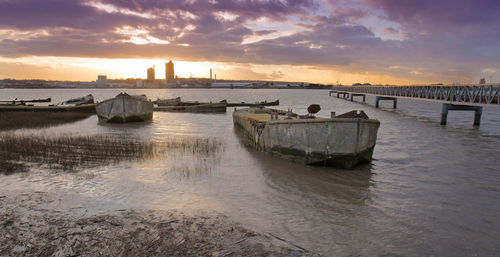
(17, 120)
(8, 167)
(72, 153)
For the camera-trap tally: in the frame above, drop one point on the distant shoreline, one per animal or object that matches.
(300, 88)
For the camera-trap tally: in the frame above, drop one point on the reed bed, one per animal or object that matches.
(17, 120)
(71, 153)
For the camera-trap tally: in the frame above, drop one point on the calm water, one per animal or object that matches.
(430, 190)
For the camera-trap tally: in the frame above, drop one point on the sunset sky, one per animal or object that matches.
(322, 41)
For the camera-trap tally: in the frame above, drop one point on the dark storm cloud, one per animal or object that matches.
(212, 26)
(36, 14)
(461, 31)
(430, 15)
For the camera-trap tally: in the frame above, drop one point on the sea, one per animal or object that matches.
(430, 190)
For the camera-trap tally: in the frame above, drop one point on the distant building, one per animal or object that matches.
(151, 74)
(102, 80)
(169, 72)
(482, 81)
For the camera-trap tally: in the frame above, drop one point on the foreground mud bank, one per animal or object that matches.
(27, 229)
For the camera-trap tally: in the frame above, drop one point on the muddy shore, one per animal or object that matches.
(28, 228)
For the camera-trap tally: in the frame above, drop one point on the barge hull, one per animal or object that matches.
(342, 142)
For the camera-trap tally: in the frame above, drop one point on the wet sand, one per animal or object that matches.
(30, 228)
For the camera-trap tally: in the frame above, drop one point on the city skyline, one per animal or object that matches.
(318, 41)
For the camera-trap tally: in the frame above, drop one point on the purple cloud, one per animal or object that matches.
(431, 15)
(438, 36)
(33, 14)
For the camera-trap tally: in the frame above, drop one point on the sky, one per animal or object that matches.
(317, 41)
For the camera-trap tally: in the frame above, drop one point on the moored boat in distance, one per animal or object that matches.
(261, 103)
(88, 99)
(82, 104)
(201, 108)
(125, 108)
(23, 102)
(343, 140)
(167, 102)
(84, 108)
(178, 102)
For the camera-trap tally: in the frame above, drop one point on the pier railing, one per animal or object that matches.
(483, 95)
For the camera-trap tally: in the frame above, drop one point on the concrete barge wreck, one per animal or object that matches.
(345, 140)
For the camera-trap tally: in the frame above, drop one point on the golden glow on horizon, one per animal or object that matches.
(118, 68)
(87, 69)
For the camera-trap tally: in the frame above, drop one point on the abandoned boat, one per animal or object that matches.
(167, 102)
(23, 102)
(200, 108)
(343, 140)
(178, 102)
(84, 108)
(82, 104)
(125, 108)
(88, 99)
(261, 103)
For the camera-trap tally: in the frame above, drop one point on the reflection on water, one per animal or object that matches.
(430, 190)
(342, 185)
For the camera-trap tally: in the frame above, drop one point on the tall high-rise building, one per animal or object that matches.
(169, 72)
(151, 74)
(102, 80)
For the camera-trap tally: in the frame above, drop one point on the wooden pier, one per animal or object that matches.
(462, 98)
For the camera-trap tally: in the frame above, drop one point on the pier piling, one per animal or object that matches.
(478, 111)
(344, 94)
(381, 98)
(353, 95)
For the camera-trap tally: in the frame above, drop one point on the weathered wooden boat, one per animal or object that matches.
(167, 102)
(85, 108)
(23, 102)
(200, 108)
(343, 140)
(262, 103)
(12, 103)
(178, 102)
(88, 99)
(41, 100)
(125, 108)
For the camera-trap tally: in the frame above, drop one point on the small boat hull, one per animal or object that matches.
(202, 108)
(125, 108)
(177, 102)
(89, 99)
(85, 108)
(263, 103)
(343, 142)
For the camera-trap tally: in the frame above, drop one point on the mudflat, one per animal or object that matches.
(31, 229)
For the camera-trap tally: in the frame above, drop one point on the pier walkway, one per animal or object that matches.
(462, 98)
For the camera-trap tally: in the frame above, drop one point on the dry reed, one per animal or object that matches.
(71, 153)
